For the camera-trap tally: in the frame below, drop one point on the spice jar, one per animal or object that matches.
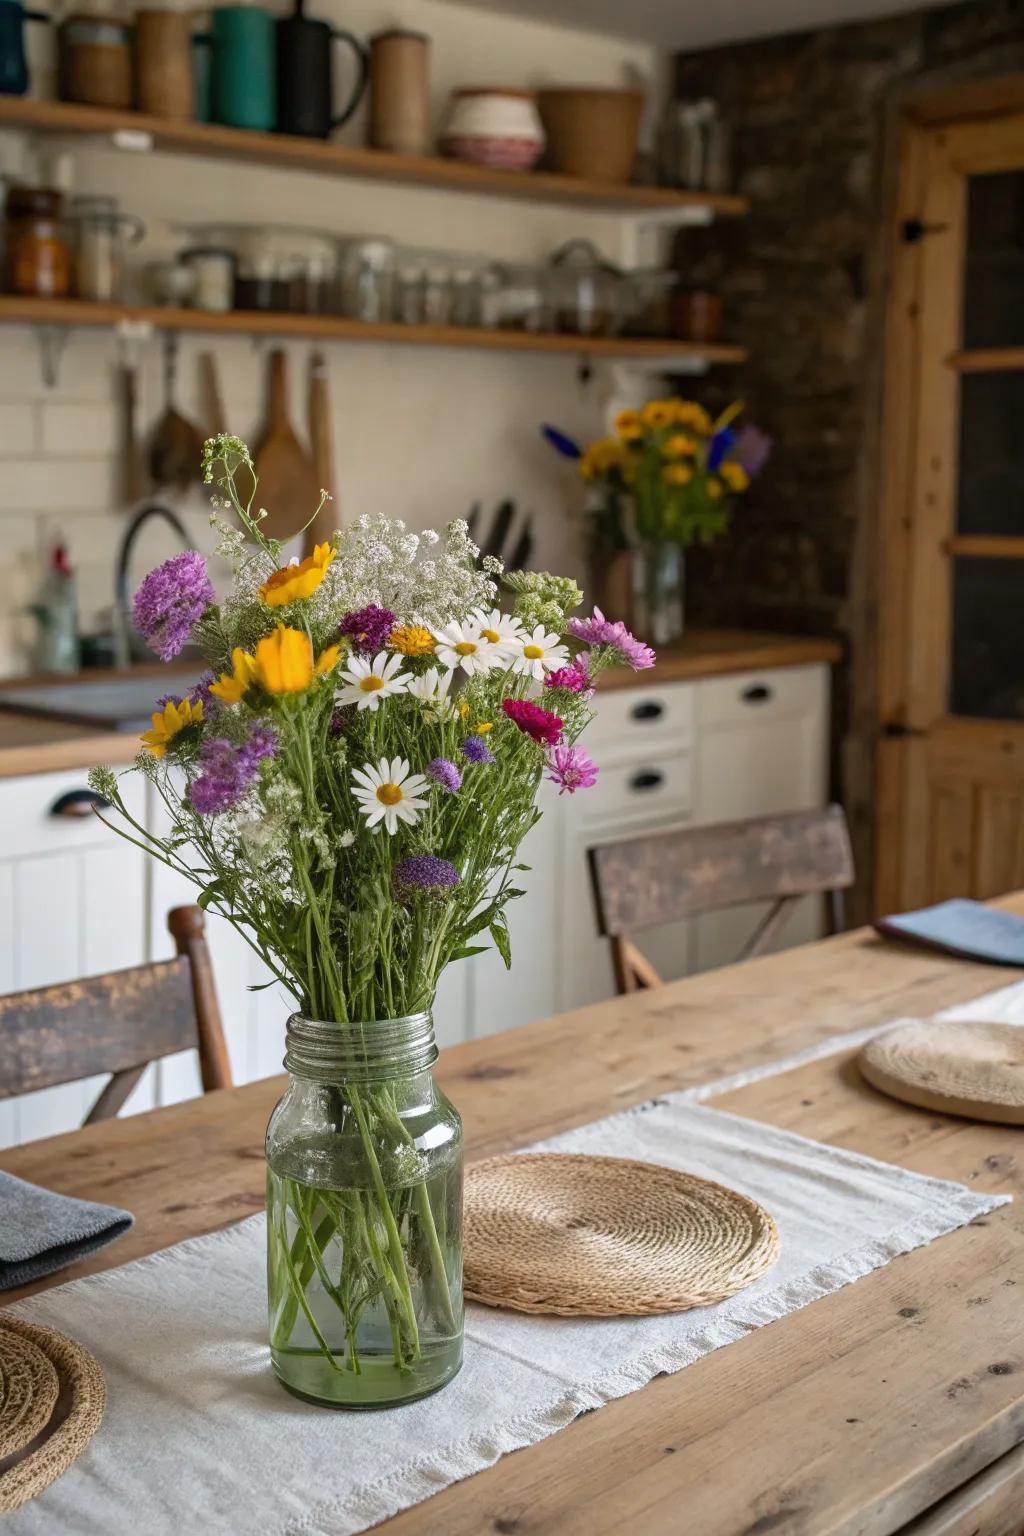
(367, 279)
(101, 232)
(37, 250)
(697, 315)
(213, 270)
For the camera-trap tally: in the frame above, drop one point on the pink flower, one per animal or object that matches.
(597, 631)
(538, 723)
(571, 769)
(575, 677)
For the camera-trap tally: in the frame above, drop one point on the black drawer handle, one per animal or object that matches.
(78, 803)
(647, 779)
(647, 711)
(757, 693)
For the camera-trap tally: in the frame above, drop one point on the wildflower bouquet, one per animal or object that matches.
(349, 786)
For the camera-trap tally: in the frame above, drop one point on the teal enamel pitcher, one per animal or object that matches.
(243, 83)
(13, 68)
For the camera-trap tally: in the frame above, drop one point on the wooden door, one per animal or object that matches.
(951, 753)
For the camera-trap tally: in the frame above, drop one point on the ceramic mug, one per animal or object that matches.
(243, 84)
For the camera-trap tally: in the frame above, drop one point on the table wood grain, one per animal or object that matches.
(851, 1417)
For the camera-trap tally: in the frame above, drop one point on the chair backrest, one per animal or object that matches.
(666, 876)
(117, 1023)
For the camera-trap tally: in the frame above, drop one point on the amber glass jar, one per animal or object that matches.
(38, 251)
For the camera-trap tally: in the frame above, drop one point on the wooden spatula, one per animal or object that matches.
(329, 517)
(288, 485)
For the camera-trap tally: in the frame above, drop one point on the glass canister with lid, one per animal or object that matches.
(367, 272)
(584, 291)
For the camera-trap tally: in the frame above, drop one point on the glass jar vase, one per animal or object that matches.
(364, 1216)
(658, 610)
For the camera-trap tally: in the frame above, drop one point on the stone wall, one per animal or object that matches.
(815, 119)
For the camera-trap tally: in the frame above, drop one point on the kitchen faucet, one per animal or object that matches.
(126, 643)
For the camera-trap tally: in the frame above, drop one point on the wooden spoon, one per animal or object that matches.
(287, 480)
(176, 447)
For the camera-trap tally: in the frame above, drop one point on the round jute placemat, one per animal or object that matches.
(603, 1236)
(970, 1069)
(64, 1412)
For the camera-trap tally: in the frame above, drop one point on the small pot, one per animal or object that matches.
(592, 131)
(488, 125)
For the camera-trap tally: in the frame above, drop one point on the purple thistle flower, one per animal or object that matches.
(571, 769)
(598, 631)
(170, 601)
(476, 750)
(426, 875)
(444, 772)
(368, 628)
(200, 693)
(228, 770)
(753, 449)
(575, 677)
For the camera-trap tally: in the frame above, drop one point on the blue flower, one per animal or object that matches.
(561, 443)
(722, 442)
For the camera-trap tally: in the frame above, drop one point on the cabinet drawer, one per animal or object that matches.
(745, 697)
(633, 720)
(31, 818)
(658, 784)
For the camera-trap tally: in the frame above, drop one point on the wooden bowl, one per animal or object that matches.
(591, 131)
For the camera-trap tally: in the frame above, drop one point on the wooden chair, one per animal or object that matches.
(117, 1023)
(662, 877)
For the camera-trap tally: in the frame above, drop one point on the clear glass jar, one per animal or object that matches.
(584, 292)
(367, 271)
(364, 1216)
(102, 232)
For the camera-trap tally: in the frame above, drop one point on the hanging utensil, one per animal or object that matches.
(329, 517)
(288, 487)
(503, 519)
(519, 559)
(213, 405)
(176, 447)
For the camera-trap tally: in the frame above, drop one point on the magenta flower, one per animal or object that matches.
(597, 631)
(571, 769)
(540, 724)
(170, 601)
(368, 628)
(575, 677)
(444, 772)
(228, 770)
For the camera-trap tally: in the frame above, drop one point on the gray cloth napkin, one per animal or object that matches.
(41, 1231)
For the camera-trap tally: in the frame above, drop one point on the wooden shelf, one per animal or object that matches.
(986, 546)
(77, 312)
(988, 360)
(330, 159)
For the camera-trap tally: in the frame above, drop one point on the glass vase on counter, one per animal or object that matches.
(658, 590)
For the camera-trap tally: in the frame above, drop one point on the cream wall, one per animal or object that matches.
(417, 433)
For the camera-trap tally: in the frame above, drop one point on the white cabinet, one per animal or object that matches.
(72, 903)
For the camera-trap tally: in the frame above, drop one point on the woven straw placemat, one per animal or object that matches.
(570, 1235)
(970, 1069)
(64, 1407)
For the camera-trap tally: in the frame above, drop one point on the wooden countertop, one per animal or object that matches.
(35, 744)
(852, 1415)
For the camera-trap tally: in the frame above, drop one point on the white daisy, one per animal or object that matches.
(389, 793)
(533, 655)
(462, 645)
(367, 682)
(499, 629)
(431, 687)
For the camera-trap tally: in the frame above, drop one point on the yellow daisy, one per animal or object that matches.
(230, 686)
(296, 581)
(677, 474)
(734, 475)
(629, 426)
(174, 717)
(714, 488)
(679, 446)
(412, 640)
(658, 413)
(689, 414)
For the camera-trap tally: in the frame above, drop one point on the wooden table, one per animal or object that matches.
(849, 1418)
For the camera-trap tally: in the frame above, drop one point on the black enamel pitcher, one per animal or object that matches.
(304, 94)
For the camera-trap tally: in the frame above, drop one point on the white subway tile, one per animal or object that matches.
(57, 485)
(17, 428)
(72, 428)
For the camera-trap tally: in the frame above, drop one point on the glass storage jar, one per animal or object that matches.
(367, 271)
(584, 291)
(364, 1216)
(38, 255)
(213, 270)
(101, 234)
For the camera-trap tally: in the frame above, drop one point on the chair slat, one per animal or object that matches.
(668, 875)
(108, 1023)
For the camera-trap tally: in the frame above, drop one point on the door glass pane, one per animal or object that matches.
(994, 278)
(988, 639)
(991, 488)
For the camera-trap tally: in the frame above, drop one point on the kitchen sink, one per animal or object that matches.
(112, 704)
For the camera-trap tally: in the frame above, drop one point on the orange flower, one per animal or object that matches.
(231, 686)
(293, 582)
(284, 661)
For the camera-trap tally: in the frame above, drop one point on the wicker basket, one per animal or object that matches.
(591, 131)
